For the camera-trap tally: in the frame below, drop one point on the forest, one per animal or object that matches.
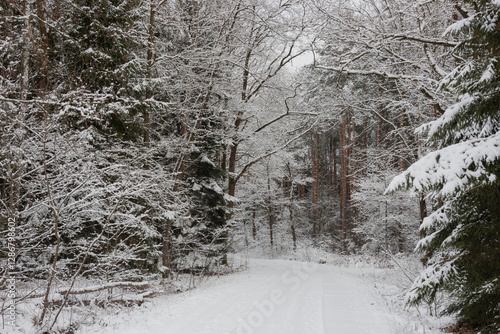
(143, 140)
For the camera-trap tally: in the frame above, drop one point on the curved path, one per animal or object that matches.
(273, 297)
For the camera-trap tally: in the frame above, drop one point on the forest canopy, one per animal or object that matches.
(143, 139)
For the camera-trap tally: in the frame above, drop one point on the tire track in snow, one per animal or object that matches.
(273, 297)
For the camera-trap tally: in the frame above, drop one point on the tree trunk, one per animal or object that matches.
(234, 147)
(25, 69)
(254, 227)
(166, 250)
(292, 224)
(379, 144)
(294, 237)
(319, 172)
(365, 145)
(314, 185)
(270, 210)
(353, 167)
(45, 47)
(335, 185)
(344, 170)
(232, 168)
(402, 124)
(56, 12)
(149, 69)
(271, 224)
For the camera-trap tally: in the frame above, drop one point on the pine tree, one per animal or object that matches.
(208, 229)
(462, 177)
(102, 72)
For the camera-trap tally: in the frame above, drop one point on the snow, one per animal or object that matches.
(489, 73)
(273, 297)
(450, 167)
(437, 272)
(458, 26)
(170, 215)
(448, 116)
(207, 161)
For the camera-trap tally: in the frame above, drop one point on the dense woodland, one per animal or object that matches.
(140, 139)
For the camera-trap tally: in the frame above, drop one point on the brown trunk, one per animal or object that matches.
(379, 143)
(57, 10)
(290, 208)
(231, 170)
(234, 147)
(343, 179)
(2, 191)
(270, 210)
(399, 228)
(246, 73)
(423, 213)
(25, 54)
(271, 224)
(232, 162)
(423, 210)
(45, 46)
(365, 145)
(166, 249)
(330, 163)
(149, 69)
(224, 159)
(353, 167)
(254, 228)
(314, 176)
(335, 186)
(341, 155)
(318, 184)
(402, 124)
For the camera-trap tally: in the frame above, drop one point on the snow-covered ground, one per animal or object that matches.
(272, 297)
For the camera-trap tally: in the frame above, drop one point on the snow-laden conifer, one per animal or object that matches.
(461, 178)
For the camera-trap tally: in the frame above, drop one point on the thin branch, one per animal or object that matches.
(421, 40)
(73, 280)
(461, 11)
(250, 164)
(386, 75)
(285, 114)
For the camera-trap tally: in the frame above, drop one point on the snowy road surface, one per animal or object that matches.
(273, 297)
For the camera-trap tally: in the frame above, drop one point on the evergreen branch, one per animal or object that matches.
(4, 99)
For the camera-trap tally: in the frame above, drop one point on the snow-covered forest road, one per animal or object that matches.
(273, 297)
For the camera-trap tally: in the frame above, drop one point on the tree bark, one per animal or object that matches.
(254, 227)
(270, 210)
(25, 54)
(314, 185)
(344, 170)
(401, 159)
(45, 46)
(365, 146)
(149, 69)
(166, 250)
(335, 185)
(379, 144)
(290, 208)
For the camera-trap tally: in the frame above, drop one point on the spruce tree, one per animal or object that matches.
(100, 53)
(462, 177)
